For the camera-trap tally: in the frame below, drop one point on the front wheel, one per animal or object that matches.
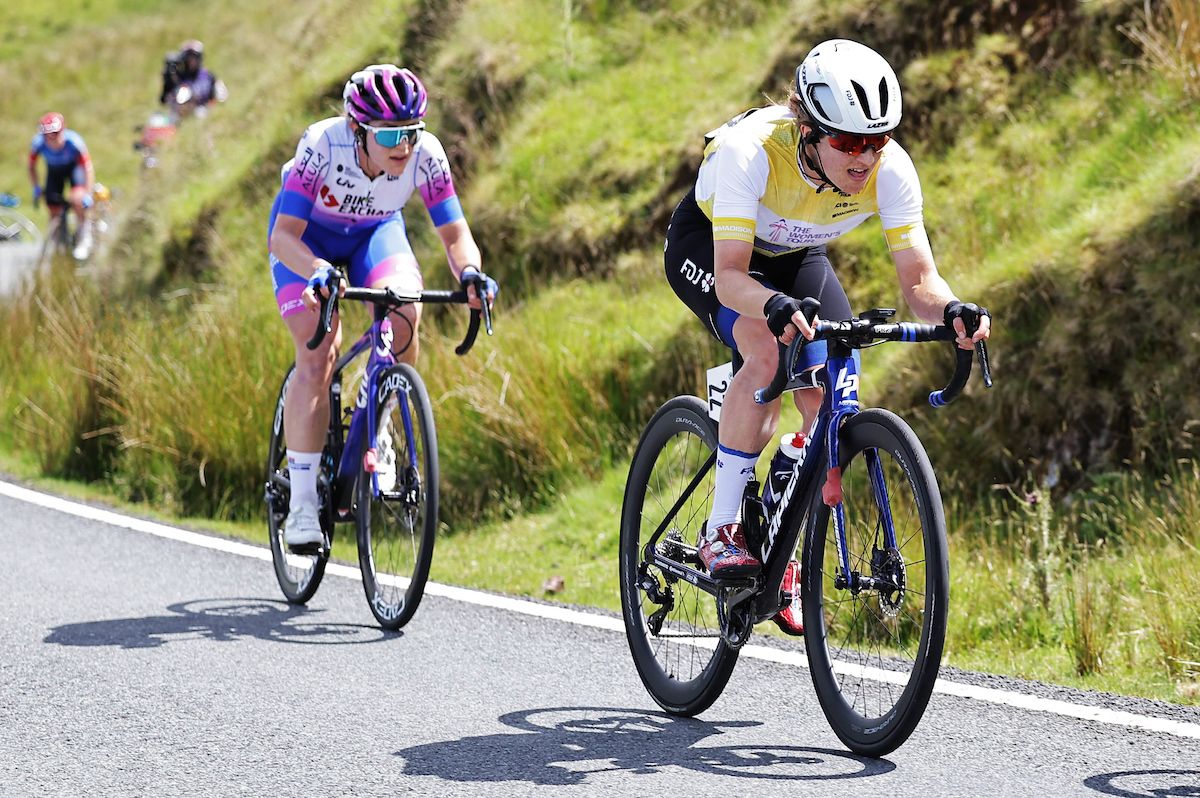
(874, 635)
(398, 502)
(672, 626)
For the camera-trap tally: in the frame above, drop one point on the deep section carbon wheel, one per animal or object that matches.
(398, 502)
(672, 626)
(874, 634)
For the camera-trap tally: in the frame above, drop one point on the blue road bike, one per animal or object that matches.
(864, 503)
(379, 466)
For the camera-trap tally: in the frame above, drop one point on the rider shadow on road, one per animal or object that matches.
(571, 743)
(216, 619)
(1147, 783)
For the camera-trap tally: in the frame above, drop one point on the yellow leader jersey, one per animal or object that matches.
(751, 187)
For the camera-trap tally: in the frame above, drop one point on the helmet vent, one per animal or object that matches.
(825, 114)
(861, 93)
(883, 97)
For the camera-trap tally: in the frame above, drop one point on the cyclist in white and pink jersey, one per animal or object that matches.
(341, 203)
(775, 186)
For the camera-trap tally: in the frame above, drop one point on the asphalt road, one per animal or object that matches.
(133, 664)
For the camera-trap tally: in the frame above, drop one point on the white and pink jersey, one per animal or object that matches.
(325, 185)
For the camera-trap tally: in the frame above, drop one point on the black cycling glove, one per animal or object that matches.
(969, 312)
(471, 275)
(781, 307)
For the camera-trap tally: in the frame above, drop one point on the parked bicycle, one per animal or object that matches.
(379, 466)
(864, 501)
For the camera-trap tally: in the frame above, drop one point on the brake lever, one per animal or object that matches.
(325, 325)
(485, 308)
(985, 366)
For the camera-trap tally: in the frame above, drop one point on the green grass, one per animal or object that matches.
(1062, 198)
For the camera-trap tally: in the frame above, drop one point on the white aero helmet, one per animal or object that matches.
(849, 88)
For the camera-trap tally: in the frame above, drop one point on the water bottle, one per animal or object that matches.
(791, 447)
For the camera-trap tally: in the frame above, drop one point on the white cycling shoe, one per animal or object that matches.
(303, 527)
(83, 242)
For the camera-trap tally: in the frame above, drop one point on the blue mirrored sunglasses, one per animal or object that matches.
(392, 136)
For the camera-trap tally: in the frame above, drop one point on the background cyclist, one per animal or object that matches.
(186, 68)
(776, 185)
(341, 201)
(67, 161)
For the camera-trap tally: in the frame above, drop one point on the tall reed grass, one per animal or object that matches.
(1168, 34)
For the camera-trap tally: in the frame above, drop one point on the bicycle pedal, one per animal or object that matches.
(308, 549)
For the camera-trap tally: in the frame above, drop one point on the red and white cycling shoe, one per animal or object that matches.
(724, 552)
(790, 619)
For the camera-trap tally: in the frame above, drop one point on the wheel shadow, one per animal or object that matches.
(221, 619)
(568, 744)
(1147, 783)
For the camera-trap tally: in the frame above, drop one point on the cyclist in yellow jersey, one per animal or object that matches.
(776, 185)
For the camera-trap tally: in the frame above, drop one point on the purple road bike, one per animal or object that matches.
(379, 466)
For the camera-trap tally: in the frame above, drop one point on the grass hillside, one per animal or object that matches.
(1056, 142)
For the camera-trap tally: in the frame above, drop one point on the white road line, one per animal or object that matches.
(609, 623)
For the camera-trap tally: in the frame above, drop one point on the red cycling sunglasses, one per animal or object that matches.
(854, 144)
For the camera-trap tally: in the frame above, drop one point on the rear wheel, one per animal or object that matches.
(299, 575)
(672, 625)
(397, 522)
(874, 636)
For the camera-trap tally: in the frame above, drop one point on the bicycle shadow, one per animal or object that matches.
(568, 744)
(1146, 783)
(217, 619)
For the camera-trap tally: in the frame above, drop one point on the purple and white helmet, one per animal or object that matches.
(384, 93)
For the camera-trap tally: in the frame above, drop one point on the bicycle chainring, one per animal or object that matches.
(736, 622)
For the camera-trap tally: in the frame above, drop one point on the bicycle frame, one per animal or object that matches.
(363, 423)
(839, 403)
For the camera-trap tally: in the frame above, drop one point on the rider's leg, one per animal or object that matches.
(746, 426)
(306, 406)
(688, 262)
(305, 418)
(80, 202)
(386, 260)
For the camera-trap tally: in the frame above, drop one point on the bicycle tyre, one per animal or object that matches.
(396, 528)
(54, 242)
(874, 656)
(684, 678)
(298, 575)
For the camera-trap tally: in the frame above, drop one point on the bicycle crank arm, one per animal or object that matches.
(699, 578)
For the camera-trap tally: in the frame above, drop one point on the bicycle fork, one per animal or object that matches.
(842, 403)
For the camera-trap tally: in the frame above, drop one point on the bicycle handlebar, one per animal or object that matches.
(393, 298)
(861, 332)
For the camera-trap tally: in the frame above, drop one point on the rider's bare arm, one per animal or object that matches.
(926, 292)
(736, 289)
(288, 246)
(460, 246)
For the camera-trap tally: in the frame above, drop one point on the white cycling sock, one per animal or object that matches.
(302, 468)
(734, 470)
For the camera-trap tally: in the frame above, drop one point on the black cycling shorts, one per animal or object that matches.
(689, 265)
(56, 181)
